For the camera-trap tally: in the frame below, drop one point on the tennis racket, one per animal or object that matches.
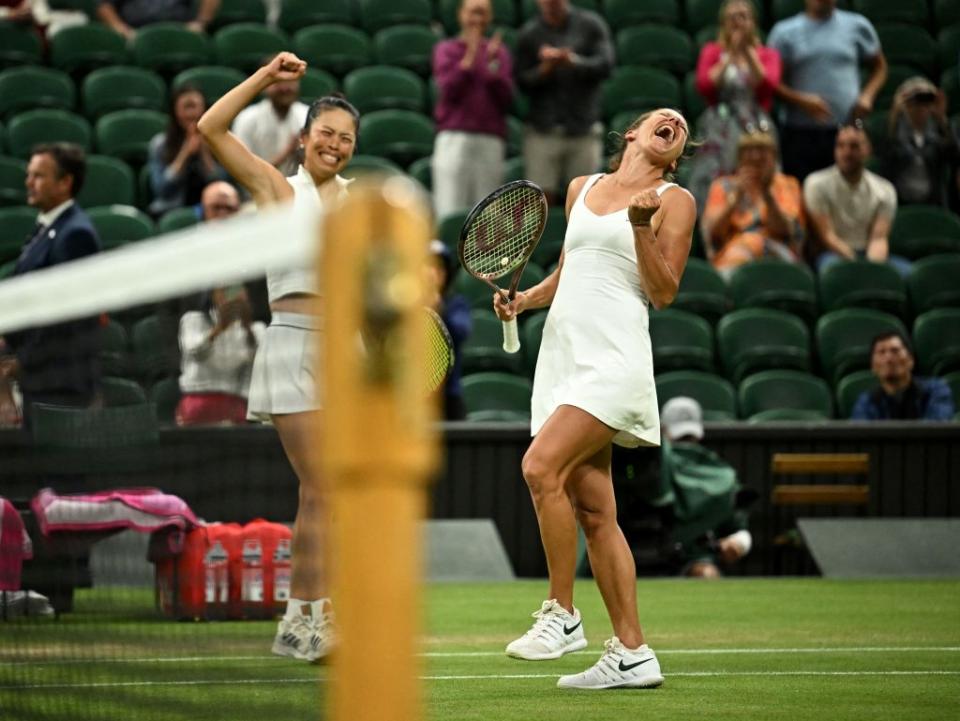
(499, 236)
(439, 351)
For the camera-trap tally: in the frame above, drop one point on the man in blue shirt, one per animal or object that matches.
(900, 396)
(822, 51)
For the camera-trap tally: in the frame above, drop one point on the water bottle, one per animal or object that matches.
(281, 571)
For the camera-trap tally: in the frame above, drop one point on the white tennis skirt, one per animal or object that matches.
(284, 377)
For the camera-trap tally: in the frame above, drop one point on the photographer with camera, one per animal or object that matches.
(919, 146)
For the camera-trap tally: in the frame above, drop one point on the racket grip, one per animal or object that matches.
(511, 339)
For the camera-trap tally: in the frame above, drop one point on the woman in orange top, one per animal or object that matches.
(756, 212)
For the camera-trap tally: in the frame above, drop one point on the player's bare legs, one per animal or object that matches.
(591, 490)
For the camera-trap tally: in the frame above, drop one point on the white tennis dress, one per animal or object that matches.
(595, 353)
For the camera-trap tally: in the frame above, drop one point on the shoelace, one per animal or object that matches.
(546, 616)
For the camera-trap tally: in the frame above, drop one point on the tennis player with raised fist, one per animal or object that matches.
(628, 237)
(282, 388)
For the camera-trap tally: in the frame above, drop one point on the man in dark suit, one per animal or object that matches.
(55, 364)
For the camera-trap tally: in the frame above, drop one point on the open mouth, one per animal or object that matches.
(666, 133)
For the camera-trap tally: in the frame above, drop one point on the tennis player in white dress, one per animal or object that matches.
(628, 238)
(282, 388)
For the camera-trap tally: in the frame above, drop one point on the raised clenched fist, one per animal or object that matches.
(642, 206)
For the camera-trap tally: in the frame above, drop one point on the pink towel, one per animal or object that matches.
(142, 509)
(15, 546)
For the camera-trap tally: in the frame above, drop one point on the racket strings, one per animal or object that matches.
(439, 352)
(503, 233)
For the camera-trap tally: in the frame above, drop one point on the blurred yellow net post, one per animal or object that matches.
(379, 448)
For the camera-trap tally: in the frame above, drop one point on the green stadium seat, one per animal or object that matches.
(950, 84)
(400, 135)
(909, 45)
(121, 392)
(621, 121)
(953, 380)
(165, 396)
(406, 46)
(367, 164)
(844, 338)
(335, 48)
(531, 334)
(382, 87)
(448, 228)
(715, 395)
(108, 181)
(232, 12)
(19, 45)
(680, 341)
(782, 9)
(82, 48)
(702, 291)
(513, 169)
(214, 81)
(875, 124)
(703, 13)
(177, 219)
(753, 339)
(504, 13)
(623, 13)
(492, 391)
(896, 74)
(790, 415)
(123, 88)
(949, 43)
(30, 87)
(947, 12)
(144, 189)
(483, 348)
(789, 287)
(863, 284)
(120, 224)
(921, 230)
(774, 393)
(660, 46)
(378, 14)
(297, 14)
(13, 173)
(87, 428)
(480, 295)
(16, 226)
(46, 126)
(126, 134)
(3, 138)
(933, 282)
(152, 357)
(639, 89)
(548, 249)
(936, 339)
(422, 171)
(704, 35)
(693, 102)
(169, 48)
(245, 46)
(114, 352)
(850, 388)
(316, 84)
(884, 11)
(515, 132)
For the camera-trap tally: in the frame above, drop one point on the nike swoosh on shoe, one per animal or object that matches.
(575, 626)
(622, 667)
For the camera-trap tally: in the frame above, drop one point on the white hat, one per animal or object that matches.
(681, 417)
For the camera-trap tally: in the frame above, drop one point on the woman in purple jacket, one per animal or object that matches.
(474, 77)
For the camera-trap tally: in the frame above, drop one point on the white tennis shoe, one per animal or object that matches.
(555, 632)
(308, 638)
(618, 667)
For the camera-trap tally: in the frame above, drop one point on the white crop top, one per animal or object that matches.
(300, 280)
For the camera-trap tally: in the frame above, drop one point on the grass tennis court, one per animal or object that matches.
(733, 649)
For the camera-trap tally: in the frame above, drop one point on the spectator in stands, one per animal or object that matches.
(709, 526)
(920, 146)
(563, 56)
(217, 347)
(475, 84)
(822, 50)
(125, 16)
(181, 164)
(850, 207)
(737, 75)
(901, 396)
(756, 212)
(271, 127)
(56, 364)
(454, 309)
